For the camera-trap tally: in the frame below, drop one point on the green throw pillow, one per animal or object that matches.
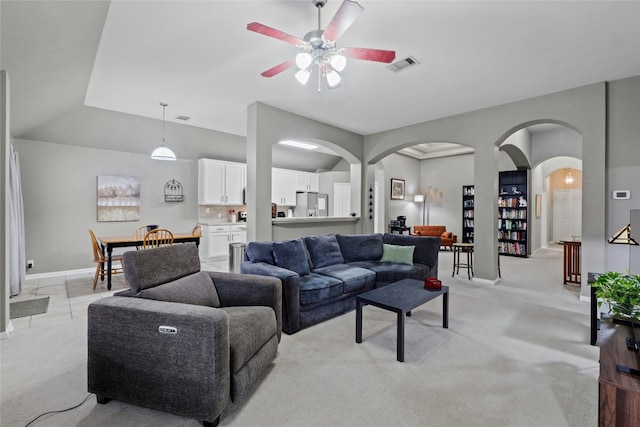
(397, 253)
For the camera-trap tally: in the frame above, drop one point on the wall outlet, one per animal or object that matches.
(30, 263)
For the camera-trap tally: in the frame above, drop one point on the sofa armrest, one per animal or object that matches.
(131, 359)
(236, 289)
(290, 291)
(265, 269)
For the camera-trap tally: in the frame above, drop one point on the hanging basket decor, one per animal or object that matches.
(173, 191)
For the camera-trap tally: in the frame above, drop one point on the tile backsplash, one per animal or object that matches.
(218, 213)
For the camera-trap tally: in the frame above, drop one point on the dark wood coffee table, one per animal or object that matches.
(400, 297)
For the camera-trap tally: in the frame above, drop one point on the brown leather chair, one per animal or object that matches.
(447, 238)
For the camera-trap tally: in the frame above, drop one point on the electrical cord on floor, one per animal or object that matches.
(58, 411)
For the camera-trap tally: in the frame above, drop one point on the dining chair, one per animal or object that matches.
(101, 260)
(139, 234)
(197, 231)
(158, 237)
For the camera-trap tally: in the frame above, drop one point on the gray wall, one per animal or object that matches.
(5, 138)
(584, 109)
(59, 191)
(407, 168)
(623, 164)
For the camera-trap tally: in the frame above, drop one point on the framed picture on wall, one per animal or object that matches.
(397, 189)
(118, 198)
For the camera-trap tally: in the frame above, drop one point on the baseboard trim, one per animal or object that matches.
(7, 333)
(59, 273)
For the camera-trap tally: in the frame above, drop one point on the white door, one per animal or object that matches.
(567, 214)
(341, 198)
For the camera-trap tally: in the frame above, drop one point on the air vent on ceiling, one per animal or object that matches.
(403, 64)
(185, 118)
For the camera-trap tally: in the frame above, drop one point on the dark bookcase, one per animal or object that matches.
(513, 213)
(467, 213)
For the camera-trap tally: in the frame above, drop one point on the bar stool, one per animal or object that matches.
(464, 248)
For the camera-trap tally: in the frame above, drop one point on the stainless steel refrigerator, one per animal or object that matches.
(311, 204)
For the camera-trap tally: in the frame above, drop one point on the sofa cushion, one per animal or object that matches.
(323, 250)
(153, 267)
(387, 272)
(260, 252)
(447, 234)
(353, 278)
(426, 251)
(196, 289)
(397, 254)
(250, 327)
(318, 287)
(360, 247)
(292, 255)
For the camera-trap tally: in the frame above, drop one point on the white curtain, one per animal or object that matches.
(17, 252)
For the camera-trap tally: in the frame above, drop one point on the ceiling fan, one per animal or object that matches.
(319, 47)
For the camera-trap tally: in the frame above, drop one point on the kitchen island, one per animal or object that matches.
(292, 228)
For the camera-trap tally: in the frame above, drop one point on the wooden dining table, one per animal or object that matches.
(108, 243)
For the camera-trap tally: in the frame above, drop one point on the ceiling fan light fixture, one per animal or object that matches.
(338, 62)
(163, 152)
(304, 60)
(333, 79)
(303, 76)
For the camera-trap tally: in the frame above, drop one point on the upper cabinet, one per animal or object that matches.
(307, 181)
(221, 183)
(283, 187)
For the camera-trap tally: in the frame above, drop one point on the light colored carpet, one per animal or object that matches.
(515, 354)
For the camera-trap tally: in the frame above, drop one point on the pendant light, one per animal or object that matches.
(163, 152)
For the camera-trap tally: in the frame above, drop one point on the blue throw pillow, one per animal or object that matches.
(397, 253)
(360, 247)
(260, 252)
(323, 250)
(292, 255)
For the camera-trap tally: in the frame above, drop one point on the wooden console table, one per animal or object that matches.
(619, 383)
(572, 254)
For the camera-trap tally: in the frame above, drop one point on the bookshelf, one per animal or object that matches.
(467, 213)
(513, 213)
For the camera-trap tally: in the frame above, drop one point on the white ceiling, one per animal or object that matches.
(198, 57)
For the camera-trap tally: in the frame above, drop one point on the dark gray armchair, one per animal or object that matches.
(181, 340)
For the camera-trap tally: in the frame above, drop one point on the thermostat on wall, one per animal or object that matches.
(622, 194)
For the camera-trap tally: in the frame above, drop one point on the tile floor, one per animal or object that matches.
(70, 295)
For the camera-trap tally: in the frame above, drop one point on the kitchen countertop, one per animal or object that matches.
(310, 219)
(242, 223)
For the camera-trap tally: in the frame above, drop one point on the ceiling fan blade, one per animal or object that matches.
(342, 20)
(278, 68)
(276, 34)
(378, 55)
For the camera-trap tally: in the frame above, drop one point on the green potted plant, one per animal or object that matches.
(621, 292)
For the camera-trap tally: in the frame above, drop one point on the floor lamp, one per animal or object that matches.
(432, 195)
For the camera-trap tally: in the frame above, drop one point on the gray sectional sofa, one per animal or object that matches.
(181, 340)
(321, 275)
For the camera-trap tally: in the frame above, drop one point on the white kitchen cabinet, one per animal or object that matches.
(216, 238)
(283, 187)
(220, 183)
(307, 181)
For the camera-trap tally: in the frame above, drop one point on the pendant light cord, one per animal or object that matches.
(164, 106)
